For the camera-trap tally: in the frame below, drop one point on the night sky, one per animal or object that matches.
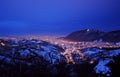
(58, 16)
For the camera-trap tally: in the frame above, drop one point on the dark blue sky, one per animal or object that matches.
(58, 16)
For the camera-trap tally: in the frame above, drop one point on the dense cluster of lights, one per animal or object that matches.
(69, 46)
(2, 43)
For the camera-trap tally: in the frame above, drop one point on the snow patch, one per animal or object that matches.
(102, 68)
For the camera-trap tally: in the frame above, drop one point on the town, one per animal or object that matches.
(69, 47)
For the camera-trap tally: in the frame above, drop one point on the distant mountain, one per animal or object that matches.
(113, 36)
(94, 35)
(85, 35)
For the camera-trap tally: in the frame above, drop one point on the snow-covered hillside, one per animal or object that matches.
(102, 57)
(36, 58)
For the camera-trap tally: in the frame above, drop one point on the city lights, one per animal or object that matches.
(69, 47)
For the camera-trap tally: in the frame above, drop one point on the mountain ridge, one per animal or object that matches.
(94, 35)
